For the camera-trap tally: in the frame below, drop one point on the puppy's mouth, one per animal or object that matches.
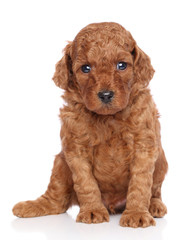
(105, 109)
(109, 104)
(105, 102)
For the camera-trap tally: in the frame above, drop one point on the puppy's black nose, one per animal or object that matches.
(106, 96)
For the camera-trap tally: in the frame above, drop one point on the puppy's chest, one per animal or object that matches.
(112, 158)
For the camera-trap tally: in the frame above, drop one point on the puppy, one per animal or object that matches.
(111, 159)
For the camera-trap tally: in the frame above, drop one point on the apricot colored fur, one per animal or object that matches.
(111, 159)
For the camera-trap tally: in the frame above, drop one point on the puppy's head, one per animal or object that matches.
(103, 65)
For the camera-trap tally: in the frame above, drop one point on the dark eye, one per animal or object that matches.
(121, 65)
(86, 68)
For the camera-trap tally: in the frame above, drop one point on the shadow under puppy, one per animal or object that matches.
(111, 157)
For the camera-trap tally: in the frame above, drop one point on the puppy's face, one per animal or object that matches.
(104, 72)
(101, 65)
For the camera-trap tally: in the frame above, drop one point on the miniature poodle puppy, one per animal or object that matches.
(111, 158)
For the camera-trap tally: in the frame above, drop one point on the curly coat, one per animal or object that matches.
(111, 159)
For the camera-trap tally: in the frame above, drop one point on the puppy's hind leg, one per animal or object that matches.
(58, 197)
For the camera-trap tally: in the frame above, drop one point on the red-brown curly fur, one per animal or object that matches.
(111, 159)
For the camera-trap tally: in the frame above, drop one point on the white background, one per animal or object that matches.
(32, 36)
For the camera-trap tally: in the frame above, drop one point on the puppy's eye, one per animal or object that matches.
(121, 65)
(86, 68)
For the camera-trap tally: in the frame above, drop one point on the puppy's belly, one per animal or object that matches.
(111, 170)
(114, 204)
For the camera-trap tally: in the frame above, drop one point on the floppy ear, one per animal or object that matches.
(63, 70)
(143, 69)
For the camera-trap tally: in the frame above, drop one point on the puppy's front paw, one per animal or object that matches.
(136, 219)
(93, 216)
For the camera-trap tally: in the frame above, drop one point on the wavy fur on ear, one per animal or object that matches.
(143, 69)
(63, 71)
